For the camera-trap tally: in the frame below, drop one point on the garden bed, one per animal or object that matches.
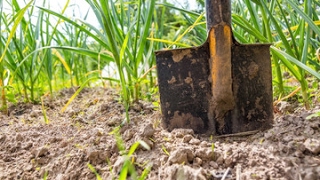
(81, 137)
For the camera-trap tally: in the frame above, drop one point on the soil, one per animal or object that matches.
(82, 135)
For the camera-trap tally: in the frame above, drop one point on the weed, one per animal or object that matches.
(128, 167)
(164, 149)
(314, 115)
(92, 169)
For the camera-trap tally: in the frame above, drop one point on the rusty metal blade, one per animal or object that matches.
(184, 87)
(221, 87)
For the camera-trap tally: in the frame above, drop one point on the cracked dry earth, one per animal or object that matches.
(29, 148)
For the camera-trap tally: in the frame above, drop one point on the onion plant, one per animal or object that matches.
(40, 52)
(9, 23)
(125, 28)
(25, 31)
(122, 38)
(293, 30)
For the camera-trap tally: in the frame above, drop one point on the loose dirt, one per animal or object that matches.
(82, 135)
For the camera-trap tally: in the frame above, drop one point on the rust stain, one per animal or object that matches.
(179, 54)
(188, 80)
(258, 104)
(186, 120)
(172, 80)
(253, 70)
(202, 84)
(220, 42)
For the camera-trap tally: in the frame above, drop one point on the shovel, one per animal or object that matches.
(221, 87)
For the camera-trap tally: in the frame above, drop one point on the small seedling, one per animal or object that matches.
(45, 176)
(164, 149)
(314, 115)
(44, 112)
(128, 166)
(94, 171)
(212, 148)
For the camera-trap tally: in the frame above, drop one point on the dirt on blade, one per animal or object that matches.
(29, 148)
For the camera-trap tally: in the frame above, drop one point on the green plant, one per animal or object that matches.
(164, 149)
(314, 115)
(44, 112)
(126, 26)
(128, 166)
(45, 176)
(212, 148)
(94, 171)
(5, 40)
(293, 36)
(31, 64)
(122, 40)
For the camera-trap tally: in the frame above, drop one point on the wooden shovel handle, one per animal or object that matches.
(220, 46)
(217, 12)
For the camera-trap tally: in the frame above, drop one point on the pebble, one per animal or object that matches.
(183, 131)
(148, 108)
(92, 116)
(197, 161)
(42, 152)
(3, 137)
(179, 135)
(104, 107)
(92, 155)
(128, 134)
(228, 161)
(313, 145)
(148, 131)
(205, 153)
(34, 114)
(288, 138)
(298, 154)
(177, 158)
(220, 160)
(204, 144)
(19, 137)
(137, 106)
(98, 131)
(28, 145)
(183, 172)
(113, 121)
(42, 160)
(187, 138)
(28, 167)
(180, 156)
(194, 141)
(63, 144)
(252, 162)
(213, 164)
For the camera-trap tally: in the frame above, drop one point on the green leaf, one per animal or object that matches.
(305, 16)
(284, 57)
(17, 21)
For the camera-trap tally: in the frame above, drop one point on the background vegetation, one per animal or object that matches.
(44, 50)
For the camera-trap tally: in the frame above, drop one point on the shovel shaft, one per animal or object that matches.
(218, 12)
(220, 45)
